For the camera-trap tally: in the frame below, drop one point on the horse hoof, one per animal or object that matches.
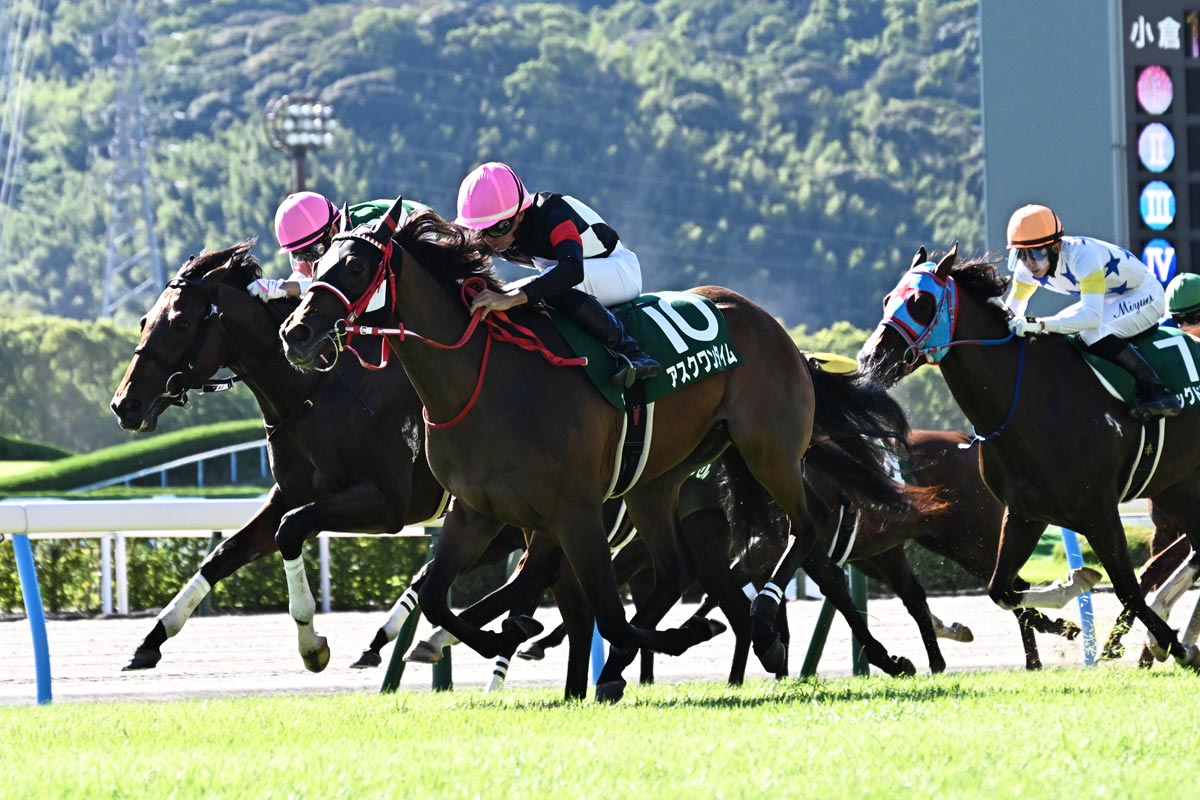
(524, 626)
(1146, 658)
(143, 659)
(704, 628)
(904, 667)
(535, 652)
(763, 610)
(1158, 651)
(1113, 652)
(610, 691)
(773, 658)
(424, 653)
(1087, 578)
(1190, 657)
(960, 633)
(369, 658)
(317, 660)
(1070, 631)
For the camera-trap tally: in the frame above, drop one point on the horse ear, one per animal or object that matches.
(943, 267)
(920, 258)
(391, 220)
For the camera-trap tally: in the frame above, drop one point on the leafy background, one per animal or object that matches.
(798, 151)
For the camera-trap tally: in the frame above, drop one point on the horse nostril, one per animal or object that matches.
(298, 334)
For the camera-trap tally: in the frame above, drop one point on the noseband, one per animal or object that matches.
(179, 381)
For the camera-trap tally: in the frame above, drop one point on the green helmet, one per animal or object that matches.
(1183, 294)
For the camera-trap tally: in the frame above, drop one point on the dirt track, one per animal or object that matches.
(256, 655)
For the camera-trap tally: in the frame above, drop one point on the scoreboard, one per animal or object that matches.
(1161, 73)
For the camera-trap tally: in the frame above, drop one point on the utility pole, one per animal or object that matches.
(132, 267)
(19, 23)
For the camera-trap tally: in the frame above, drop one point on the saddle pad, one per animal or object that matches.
(1174, 355)
(684, 332)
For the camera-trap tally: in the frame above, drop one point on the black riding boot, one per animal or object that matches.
(1154, 399)
(593, 317)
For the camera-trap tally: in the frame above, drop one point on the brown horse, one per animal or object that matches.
(1058, 449)
(205, 320)
(517, 439)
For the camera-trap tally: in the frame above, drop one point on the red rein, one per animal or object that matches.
(499, 327)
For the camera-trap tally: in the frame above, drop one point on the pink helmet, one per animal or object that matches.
(491, 193)
(301, 219)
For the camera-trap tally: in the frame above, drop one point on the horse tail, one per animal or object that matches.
(754, 518)
(852, 410)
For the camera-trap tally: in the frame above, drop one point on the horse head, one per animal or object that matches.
(180, 339)
(359, 280)
(354, 277)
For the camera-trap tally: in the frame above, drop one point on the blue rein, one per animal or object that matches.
(924, 278)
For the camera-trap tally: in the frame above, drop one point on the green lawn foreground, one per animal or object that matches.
(1106, 732)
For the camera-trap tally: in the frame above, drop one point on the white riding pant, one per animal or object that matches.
(1129, 314)
(612, 280)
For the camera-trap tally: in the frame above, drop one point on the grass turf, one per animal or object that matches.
(1107, 732)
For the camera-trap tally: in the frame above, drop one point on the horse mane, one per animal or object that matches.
(451, 253)
(979, 277)
(243, 267)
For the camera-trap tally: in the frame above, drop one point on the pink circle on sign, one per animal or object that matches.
(1154, 90)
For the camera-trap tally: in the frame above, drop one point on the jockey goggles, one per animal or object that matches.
(1031, 255)
(500, 228)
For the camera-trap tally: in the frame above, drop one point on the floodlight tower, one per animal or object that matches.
(132, 267)
(296, 124)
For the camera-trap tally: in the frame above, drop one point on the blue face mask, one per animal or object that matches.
(929, 339)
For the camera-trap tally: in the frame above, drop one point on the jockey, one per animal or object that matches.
(1119, 298)
(1183, 299)
(584, 267)
(305, 224)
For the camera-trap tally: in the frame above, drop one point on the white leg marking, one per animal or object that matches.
(183, 604)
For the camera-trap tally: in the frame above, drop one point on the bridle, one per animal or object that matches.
(931, 341)
(383, 283)
(179, 379)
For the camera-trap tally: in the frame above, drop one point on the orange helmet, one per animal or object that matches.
(1033, 226)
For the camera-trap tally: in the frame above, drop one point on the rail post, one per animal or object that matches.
(1086, 616)
(31, 594)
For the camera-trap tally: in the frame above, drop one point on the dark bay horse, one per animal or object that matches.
(964, 527)
(1057, 450)
(517, 439)
(205, 320)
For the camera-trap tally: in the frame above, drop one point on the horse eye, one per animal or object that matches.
(920, 304)
(183, 324)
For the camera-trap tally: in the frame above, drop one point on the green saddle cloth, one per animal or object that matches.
(682, 331)
(1174, 355)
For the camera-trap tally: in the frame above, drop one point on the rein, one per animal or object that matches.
(920, 346)
(498, 325)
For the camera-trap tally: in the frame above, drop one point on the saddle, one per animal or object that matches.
(684, 332)
(1174, 355)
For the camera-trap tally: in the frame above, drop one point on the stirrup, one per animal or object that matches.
(626, 373)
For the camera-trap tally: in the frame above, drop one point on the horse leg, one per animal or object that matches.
(1154, 574)
(253, 541)
(538, 568)
(537, 650)
(1169, 593)
(353, 507)
(1033, 658)
(1108, 543)
(641, 587)
(764, 611)
(580, 625)
(893, 568)
(832, 581)
(653, 512)
(586, 549)
(1018, 538)
(510, 539)
(707, 535)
